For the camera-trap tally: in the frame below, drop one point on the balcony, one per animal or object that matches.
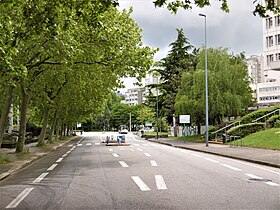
(275, 65)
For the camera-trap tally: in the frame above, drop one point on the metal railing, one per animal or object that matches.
(224, 128)
(277, 110)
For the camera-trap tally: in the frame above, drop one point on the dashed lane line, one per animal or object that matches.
(160, 182)
(196, 155)
(260, 178)
(231, 167)
(147, 154)
(40, 178)
(123, 164)
(19, 198)
(97, 143)
(253, 176)
(272, 183)
(64, 155)
(138, 181)
(52, 167)
(153, 163)
(115, 155)
(59, 160)
(88, 144)
(111, 150)
(79, 145)
(139, 149)
(211, 160)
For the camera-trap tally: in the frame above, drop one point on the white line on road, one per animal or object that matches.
(196, 155)
(138, 181)
(88, 144)
(19, 198)
(160, 182)
(97, 143)
(209, 159)
(272, 183)
(139, 149)
(145, 145)
(153, 163)
(40, 178)
(64, 155)
(79, 145)
(136, 145)
(111, 150)
(115, 155)
(231, 167)
(59, 160)
(70, 145)
(253, 176)
(52, 167)
(147, 154)
(123, 164)
(68, 152)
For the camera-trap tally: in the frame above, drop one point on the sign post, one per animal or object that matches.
(185, 119)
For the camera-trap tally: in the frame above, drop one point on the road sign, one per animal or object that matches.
(184, 119)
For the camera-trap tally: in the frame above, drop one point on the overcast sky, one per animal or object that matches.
(239, 30)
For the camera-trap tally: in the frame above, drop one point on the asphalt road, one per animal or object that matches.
(87, 174)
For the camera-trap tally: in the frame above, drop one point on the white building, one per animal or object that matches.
(134, 96)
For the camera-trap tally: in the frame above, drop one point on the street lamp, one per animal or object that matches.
(206, 80)
(157, 107)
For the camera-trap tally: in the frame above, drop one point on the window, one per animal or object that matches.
(277, 39)
(268, 22)
(269, 58)
(269, 41)
(277, 56)
(277, 21)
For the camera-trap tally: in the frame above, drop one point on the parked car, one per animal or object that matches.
(123, 129)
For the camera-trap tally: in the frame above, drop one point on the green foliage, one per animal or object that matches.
(274, 121)
(228, 84)
(246, 129)
(180, 59)
(258, 113)
(145, 114)
(267, 139)
(4, 159)
(261, 8)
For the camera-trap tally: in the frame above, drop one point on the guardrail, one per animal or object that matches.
(223, 128)
(277, 110)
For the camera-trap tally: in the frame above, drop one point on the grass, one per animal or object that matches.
(267, 139)
(4, 159)
(195, 138)
(152, 133)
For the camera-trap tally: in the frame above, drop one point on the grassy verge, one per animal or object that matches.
(4, 159)
(267, 139)
(195, 138)
(152, 133)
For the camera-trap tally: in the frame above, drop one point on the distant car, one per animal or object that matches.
(123, 131)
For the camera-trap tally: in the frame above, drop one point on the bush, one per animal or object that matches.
(259, 113)
(274, 121)
(246, 129)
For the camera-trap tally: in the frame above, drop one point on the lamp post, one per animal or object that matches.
(157, 107)
(206, 80)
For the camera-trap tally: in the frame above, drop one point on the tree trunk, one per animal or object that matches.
(5, 112)
(23, 119)
(41, 140)
(53, 126)
(57, 132)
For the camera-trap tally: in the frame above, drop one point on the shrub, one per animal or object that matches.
(246, 129)
(259, 113)
(273, 121)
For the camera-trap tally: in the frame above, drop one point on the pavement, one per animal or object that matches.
(259, 156)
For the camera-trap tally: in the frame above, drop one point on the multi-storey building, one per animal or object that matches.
(135, 96)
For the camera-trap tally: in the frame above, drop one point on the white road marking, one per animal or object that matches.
(160, 182)
(153, 163)
(97, 143)
(88, 144)
(231, 167)
(115, 155)
(259, 167)
(147, 154)
(19, 198)
(209, 159)
(184, 151)
(68, 152)
(136, 145)
(111, 150)
(64, 155)
(253, 176)
(59, 160)
(138, 181)
(139, 149)
(123, 164)
(79, 145)
(272, 183)
(70, 145)
(196, 155)
(52, 167)
(145, 145)
(40, 178)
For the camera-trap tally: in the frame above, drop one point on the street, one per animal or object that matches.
(87, 174)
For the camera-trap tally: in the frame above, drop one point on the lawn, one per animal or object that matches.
(267, 139)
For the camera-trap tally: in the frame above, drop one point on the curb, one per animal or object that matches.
(37, 156)
(223, 155)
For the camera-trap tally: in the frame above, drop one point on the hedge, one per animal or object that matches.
(246, 129)
(274, 121)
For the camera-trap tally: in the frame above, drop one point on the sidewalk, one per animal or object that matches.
(259, 156)
(21, 161)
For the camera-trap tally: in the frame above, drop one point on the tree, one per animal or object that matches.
(261, 8)
(180, 59)
(228, 85)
